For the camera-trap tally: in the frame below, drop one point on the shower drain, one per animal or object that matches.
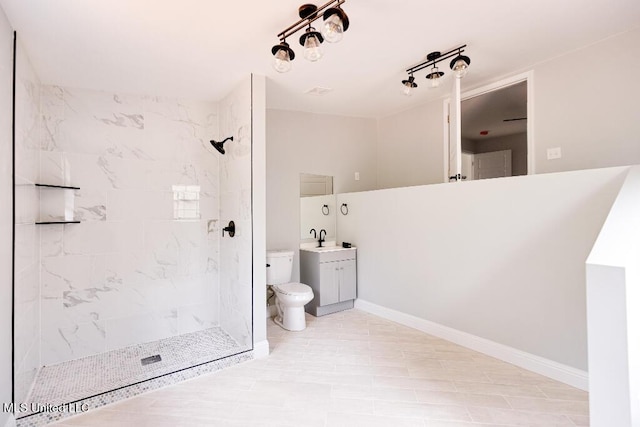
(151, 359)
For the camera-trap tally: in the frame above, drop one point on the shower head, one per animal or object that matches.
(220, 145)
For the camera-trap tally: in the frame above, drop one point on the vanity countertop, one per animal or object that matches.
(331, 248)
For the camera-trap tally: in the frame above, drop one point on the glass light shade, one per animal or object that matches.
(409, 85)
(407, 89)
(312, 50)
(281, 61)
(460, 68)
(333, 29)
(434, 77)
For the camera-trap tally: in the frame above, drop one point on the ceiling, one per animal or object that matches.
(200, 49)
(499, 113)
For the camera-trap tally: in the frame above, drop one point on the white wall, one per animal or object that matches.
(410, 147)
(313, 214)
(6, 214)
(317, 144)
(500, 259)
(235, 205)
(613, 297)
(591, 110)
(258, 122)
(584, 102)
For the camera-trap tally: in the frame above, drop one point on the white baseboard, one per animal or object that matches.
(261, 349)
(557, 371)
(11, 421)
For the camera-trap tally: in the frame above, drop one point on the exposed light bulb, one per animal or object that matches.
(312, 50)
(434, 77)
(460, 68)
(281, 61)
(333, 29)
(460, 65)
(282, 57)
(408, 86)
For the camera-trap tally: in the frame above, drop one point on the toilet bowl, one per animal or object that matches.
(290, 297)
(290, 301)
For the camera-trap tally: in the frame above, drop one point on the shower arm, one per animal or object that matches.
(225, 140)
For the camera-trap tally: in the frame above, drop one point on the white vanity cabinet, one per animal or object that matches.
(331, 273)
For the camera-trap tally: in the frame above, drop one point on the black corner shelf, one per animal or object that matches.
(57, 222)
(63, 187)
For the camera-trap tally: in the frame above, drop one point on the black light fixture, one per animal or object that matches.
(459, 65)
(282, 57)
(311, 40)
(435, 75)
(335, 24)
(409, 85)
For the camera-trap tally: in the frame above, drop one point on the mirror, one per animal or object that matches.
(317, 208)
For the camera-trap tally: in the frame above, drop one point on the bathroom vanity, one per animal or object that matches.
(331, 273)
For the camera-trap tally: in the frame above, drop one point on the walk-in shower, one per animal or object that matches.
(125, 280)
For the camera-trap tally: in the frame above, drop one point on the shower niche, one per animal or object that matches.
(56, 207)
(129, 297)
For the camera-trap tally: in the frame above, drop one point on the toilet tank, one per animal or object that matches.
(280, 267)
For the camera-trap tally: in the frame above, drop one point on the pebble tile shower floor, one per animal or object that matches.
(355, 369)
(81, 378)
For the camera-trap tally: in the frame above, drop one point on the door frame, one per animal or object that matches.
(500, 84)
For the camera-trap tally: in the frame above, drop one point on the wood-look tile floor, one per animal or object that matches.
(355, 369)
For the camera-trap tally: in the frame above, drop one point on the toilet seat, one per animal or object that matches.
(293, 289)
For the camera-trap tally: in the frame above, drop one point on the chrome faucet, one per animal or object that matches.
(320, 240)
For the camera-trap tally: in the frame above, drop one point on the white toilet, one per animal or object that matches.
(291, 297)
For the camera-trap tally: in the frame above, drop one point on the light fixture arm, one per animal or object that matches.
(303, 22)
(433, 62)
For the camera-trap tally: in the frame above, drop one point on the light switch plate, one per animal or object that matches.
(554, 153)
(357, 176)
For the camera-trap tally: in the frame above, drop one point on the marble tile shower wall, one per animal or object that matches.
(235, 204)
(130, 272)
(27, 237)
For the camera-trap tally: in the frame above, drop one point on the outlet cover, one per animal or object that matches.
(357, 176)
(554, 153)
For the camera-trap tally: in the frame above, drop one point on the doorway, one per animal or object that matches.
(496, 119)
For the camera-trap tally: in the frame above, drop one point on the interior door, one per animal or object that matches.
(494, 164)
(315, 185)
(455, 131)
(467, 167)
